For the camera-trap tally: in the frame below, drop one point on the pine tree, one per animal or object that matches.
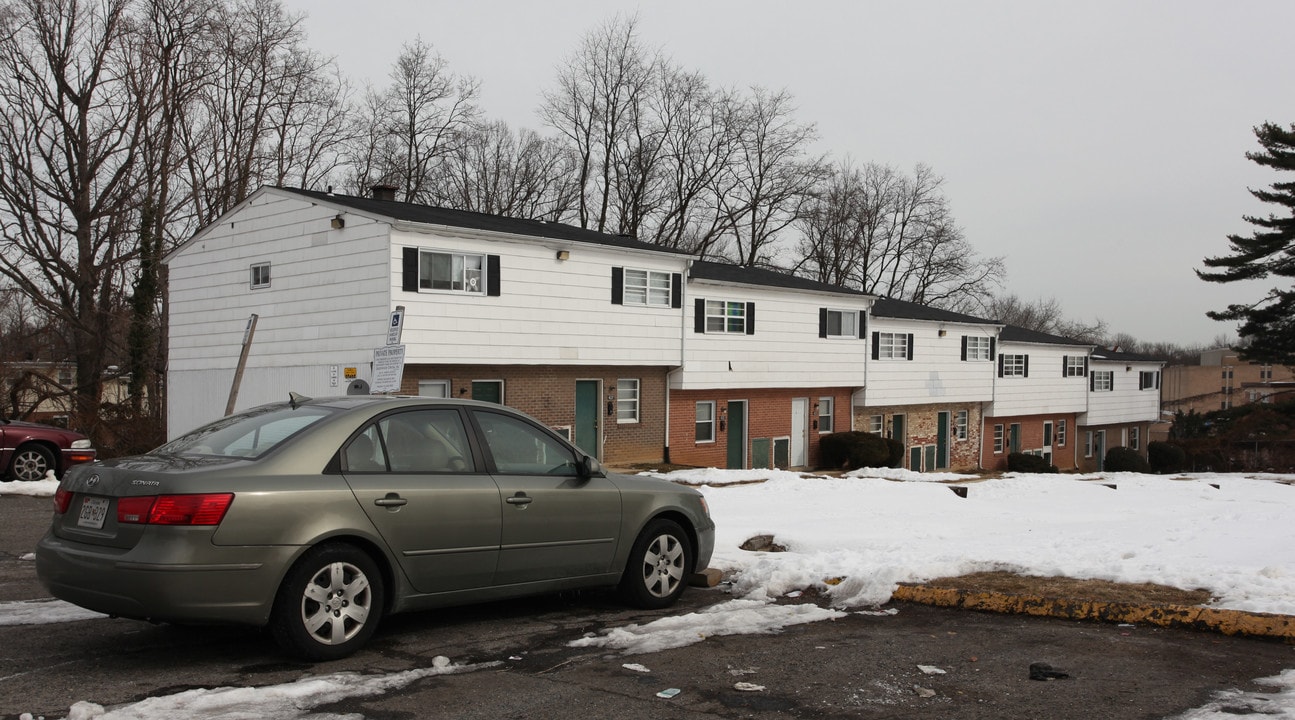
(1267, 330)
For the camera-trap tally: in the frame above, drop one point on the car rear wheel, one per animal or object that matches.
(30, 462)
(658, 568)
(329, 604)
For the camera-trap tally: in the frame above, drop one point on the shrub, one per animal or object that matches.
(1122, 459)
(857, 449)
(1166, 458)
(1026, 463)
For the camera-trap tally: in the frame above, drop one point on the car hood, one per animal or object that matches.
(24, 426)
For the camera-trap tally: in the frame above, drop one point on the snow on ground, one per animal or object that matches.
(855, 537)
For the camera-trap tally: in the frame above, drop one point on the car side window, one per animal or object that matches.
(520, 448)
(426, 441)
(365, 453)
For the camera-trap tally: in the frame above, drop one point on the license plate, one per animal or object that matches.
(93, 511)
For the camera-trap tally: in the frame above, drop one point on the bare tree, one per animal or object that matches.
(517, 174)
(1046, 315)
(597, 106)
(68, 171)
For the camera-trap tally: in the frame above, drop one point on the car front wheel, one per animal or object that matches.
(658, 567)
(30, 463)
(329, 604)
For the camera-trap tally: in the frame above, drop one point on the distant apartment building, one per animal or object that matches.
(1223, 381)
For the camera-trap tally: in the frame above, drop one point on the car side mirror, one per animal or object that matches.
(589, 467)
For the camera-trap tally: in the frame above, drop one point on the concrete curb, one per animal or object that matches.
(1227, 622)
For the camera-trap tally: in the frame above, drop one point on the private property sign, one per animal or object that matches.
(388, 368)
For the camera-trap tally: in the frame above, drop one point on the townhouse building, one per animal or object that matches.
(927, 380)
(637, 353)
(1123, 405)
(1040, 390)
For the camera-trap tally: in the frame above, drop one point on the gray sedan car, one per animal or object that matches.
(318, 517)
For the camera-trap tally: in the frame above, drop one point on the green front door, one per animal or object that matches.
(737, 434)
(586, 429)
(941, 441)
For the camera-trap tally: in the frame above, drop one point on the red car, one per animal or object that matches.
(29, 450)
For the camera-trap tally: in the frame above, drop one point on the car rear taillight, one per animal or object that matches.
(174, 509)
(62, 500)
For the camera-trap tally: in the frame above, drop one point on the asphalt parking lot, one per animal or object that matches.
(860, 666)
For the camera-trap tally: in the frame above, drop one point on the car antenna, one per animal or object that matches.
(296, 400)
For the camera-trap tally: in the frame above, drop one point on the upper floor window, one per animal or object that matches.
(728, 316)
(838, 323)
(1102, 381)
(1148, 380)
(451, 271)
(892, 346)
(627, 400)
(647, 287)
(1015, 365)
(260, 276)
(1076, 365)
(977, 347)
(1266, 372)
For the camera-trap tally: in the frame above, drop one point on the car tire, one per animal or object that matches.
(329, 604)
(658, 567)
(31, 462)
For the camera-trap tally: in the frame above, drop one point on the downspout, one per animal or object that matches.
(683, 342)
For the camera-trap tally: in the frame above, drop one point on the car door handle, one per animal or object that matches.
(520, 498)
(390, 501)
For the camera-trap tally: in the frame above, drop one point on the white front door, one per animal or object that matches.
(799, 432)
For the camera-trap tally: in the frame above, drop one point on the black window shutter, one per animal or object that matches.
(1026, 367)
(822, 322)
(492, 275)
(1085, 366)
(618, 286)
(876, 346)
(863, 326)
(676, 290)
(910, 346)
(1065, 365)
(750, 318)
(1092, 382)
(1157, 379)
(409, 270)
(993, 348)
(964, 348)
(699, 317)
(1000, 366)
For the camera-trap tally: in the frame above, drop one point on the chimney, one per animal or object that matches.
(384, 192)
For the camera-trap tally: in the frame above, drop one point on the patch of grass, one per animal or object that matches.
(1073, 589)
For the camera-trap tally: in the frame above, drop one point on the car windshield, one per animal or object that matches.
(246, 435)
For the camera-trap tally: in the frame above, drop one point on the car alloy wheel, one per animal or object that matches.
(658, 568)
(30, 463)
(329, 604)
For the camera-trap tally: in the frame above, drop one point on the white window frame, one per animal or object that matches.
(648, 288)
(1075, 365)
(841, 322)
(825, 414)
(1147, 380)
(978, 348)
(434, 388)
(1103, 381)
(704, 422)
(258, 276)
(1061, 433)
(892, 346)
(876, 424)
(1135, 438)
(469, 280)
(1013, 364)
(627, 401)
(720, 317)
(1088, 444)
(998, 440)
(960, 423)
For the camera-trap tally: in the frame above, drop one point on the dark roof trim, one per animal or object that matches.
(1013, 333)
(904, 310)
(429, 215)
(723, 272)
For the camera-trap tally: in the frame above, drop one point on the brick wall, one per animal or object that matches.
(922, 428)
(548, 393)
(768, 416)
(1031, 438)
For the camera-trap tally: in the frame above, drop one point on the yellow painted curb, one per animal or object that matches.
(1227, 622)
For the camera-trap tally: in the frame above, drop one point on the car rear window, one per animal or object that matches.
(246, 435)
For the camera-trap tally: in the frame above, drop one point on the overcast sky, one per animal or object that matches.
(1098, 146)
